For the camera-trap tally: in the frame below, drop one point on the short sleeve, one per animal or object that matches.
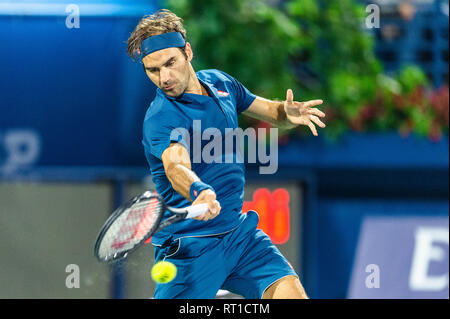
(159, 132)
(243, 96)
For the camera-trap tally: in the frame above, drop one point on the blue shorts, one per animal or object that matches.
(243, 261)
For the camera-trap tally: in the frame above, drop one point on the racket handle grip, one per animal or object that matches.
(196, 210)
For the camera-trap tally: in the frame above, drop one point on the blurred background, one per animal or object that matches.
(360, 212)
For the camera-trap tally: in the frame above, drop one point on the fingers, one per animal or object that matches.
(209, 197)
(312, 103)
(309, 115)
(310, 123)
(308, 107)
(316, 120)
(289, 96)
(214, 210)
(316, 112)
(312, 128)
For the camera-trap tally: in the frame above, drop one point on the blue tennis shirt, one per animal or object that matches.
(176, 119)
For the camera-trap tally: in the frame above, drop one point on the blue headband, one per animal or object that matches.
(161, 41)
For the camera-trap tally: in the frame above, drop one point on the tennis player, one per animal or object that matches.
(221, 249)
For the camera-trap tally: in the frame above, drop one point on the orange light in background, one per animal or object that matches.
(273, 211)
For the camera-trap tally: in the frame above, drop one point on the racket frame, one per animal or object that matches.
(179, 214)
(117, 213)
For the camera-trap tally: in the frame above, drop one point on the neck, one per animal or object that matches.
(194, 85)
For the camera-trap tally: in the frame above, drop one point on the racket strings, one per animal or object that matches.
(130, 227)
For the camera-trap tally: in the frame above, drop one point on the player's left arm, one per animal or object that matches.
(287, 114)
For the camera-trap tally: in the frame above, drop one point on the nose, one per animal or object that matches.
(164, 76)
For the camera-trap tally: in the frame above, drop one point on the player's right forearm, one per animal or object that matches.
(181, 179)
(177, 165)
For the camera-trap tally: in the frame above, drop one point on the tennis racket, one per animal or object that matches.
(130, 225)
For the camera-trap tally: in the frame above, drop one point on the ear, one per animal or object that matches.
(189, 52)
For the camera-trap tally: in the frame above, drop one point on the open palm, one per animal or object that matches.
(303, 113)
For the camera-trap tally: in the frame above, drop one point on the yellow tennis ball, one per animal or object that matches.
(164, 272)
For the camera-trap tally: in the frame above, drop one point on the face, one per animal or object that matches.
(169, 70)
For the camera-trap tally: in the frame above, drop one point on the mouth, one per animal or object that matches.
(168, 88)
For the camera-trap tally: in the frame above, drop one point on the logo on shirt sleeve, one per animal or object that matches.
(222, 93)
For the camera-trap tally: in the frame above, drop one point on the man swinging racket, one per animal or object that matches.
(220, 249)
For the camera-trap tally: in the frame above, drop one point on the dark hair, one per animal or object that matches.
(162, 21)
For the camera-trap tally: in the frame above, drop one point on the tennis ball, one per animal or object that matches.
(164, 272)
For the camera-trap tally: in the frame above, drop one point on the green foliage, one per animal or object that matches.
(319, 49)
(245, 38)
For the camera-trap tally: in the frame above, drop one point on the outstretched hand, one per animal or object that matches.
(303, 113)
